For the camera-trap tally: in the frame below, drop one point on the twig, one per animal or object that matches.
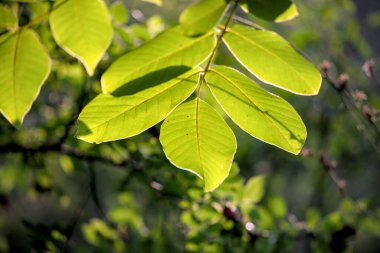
(329, 167)
(348, 101)
(247, 22)
(67, 150)
(220, 37)
(369, 70)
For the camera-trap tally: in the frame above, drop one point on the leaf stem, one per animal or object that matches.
(220, 37)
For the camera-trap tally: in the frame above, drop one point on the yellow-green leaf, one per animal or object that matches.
(201, 16)
(263, 115)
(170, 49)
(119, 12)
(83, 29)
(24, 66)
(272, 60)
(108, 118)
(196, 138)
(156, 2)
(7, 19)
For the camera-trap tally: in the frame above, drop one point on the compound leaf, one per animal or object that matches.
(271, 59)
(261, 114)
(196, 138)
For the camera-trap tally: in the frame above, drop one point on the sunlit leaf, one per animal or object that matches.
(156, 2)
(108, 117)
(273, 10)
(24, 66)
(7, 19)
(119, 12)
(258, 112)
(201, 16)
(196, 138)
(271, 59)
(83, 29)
(170, 48)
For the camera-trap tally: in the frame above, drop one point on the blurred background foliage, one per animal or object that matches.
(60, 194)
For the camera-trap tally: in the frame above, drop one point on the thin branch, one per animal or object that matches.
(44, 15)
(329, 167)
(369, 70)
(345, 95)
(75, 220)
(247, 22)
(94, 190)
(67, 150)
(220, 37)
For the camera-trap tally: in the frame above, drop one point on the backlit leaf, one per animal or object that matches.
(170, 48)
(261, 114)
(24, 66)
(119, 12)
(156, 2)
(7, 19)
(273, 10)
(108, 117)
(202, 16)
(271, 59)
(83, 29)
(196, 138)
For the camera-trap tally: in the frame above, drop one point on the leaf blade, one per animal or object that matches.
(201, 16)
(275, 10)
(7, 18)
(196, 138)
(170, 48)
(108, 118)
(83, 29)
(24, 67)
(272, 60)
(261, 114)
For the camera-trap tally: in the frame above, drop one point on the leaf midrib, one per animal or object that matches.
(272, 54)
(138, 69)
(14, 72)
(146, 100)
(258, 107)
(197, 132)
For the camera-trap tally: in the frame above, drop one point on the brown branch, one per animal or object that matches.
(365, 112)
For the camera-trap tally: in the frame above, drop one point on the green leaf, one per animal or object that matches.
(83, 29)
(119, 12)
(108, 118)
(277, 206)
(261, 114)
(201, 16)
(271, 59)
(254, 190)
(273, 10)
(24, 66)
(196, 138)
(7, 19)
(170, 48)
